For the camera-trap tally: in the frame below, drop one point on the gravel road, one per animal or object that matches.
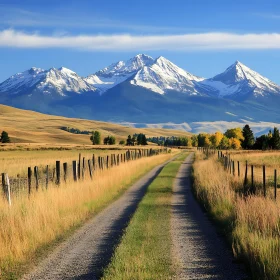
(89, 250)
(198, 250)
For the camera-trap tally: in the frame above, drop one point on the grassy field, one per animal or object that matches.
(31, 225)
(145, 249)
(252, 224)
(31, 127)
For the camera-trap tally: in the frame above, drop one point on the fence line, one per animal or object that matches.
(259, 180)
(43, 177)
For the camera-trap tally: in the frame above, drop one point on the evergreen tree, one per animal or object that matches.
(249, 139)
(106, 140)
(5, 137)
(95, 138)
(133, 140)
(275, 139)
(112, 140)
(129, 141)
(142, 140)
(261, 143)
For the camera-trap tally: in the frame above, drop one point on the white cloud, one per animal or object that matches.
(127, 42)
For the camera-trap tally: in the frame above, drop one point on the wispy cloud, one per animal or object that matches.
(268, 15)
(127, 42)
(15, 17)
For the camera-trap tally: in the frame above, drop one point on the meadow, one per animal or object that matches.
(251, 222)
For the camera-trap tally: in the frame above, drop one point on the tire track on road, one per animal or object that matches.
(198, 251)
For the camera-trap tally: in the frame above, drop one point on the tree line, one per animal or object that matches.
(136, 139)
(233, 138)
(237, 138)
(75, 130)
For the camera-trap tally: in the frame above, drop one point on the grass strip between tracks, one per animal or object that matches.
(145, 249)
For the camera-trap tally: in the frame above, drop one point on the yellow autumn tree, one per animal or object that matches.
(234, 143)
(235, 133)
(207, 142)
(216, 139)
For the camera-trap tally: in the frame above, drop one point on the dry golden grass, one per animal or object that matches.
(17, 162)
(32, 127)
(253, 222)
(30, 224)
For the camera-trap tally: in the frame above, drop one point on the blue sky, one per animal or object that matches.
(203, 37)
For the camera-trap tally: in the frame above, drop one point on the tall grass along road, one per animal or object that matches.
(197, 249)
(89, 250)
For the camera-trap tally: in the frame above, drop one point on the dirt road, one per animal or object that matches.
(89, 250)
(197, 249)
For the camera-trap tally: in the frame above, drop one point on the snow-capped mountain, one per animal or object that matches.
(145, 89)
(118, 72)
(238, 80)
(163, 76)
(50, 82)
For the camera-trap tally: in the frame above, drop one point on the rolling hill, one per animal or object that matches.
(31, 127)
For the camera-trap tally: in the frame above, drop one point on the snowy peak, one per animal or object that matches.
(123, 68)
(163, 76)
(118, 72)
(20, 81)
(241, 80)
(64, 80)
(53, 81)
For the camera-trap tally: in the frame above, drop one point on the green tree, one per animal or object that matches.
(112, 140)
(133, 140)
(141, 139)
(95, 138)
(5, 137)
(129, 141)
(224, 143)
(262, 142)
(275, 139)
(249, 139)
(122, 142)
(194, 141)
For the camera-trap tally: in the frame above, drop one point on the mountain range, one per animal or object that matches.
(144, 90)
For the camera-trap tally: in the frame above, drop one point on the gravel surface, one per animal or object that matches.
(198, 251)
(89, 250)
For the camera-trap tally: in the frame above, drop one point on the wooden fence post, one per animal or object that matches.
(79, 166)
(233, 168)
(47, 176)
(83, 169)
(275, 184)
(264, 185)
(93, 162)
(65, 171)
(90, 168)
(29, 178)
(245, 178)
(6, 187)
(36, 175)
(253, 190)
(57, 168)
(74, 165)
(238, 166)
